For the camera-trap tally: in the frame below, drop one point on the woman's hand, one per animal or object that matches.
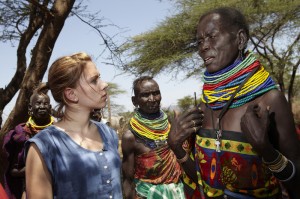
(182, 127)
(255, 124)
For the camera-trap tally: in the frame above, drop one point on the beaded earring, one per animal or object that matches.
(30, 113)
(241, 54)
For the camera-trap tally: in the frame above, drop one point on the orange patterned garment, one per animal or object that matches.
(159, 166)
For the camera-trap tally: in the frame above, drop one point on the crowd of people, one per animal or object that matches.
(240, 142)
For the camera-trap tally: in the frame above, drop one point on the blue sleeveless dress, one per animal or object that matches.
(77, 172)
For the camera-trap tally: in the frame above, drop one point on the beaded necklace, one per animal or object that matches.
(153, 131)
(234, 86)
(32, 125)
(219, 86)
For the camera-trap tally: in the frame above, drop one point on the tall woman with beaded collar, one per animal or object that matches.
(247, 145)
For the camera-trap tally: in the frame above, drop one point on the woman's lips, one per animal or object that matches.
(208, 60)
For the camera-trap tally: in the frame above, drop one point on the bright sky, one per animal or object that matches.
(136, 17)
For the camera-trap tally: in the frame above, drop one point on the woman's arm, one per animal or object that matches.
(38, 179)
(182, 127)
(128, 143)
(269, 126)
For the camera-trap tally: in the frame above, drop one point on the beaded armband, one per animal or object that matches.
(279, 164)
(184, 159)
(292, 175)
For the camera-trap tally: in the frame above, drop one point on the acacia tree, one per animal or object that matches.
(268, 31)
(172, 45)
(185, 103)
(35, 17)
(112, 92)
(42, 20)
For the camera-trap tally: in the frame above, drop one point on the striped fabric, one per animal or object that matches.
(160, 191)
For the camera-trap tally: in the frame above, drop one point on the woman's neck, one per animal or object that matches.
(79, 121)
(42, 121)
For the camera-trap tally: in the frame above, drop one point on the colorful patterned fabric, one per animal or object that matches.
(190, 187)
(158, 166)
(13, 146)
(236, 170)
(3, 194)
(159, 191)
(156, 169)
(191, 190)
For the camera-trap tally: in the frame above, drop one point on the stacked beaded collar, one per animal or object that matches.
(152, 130)
(219, 86)
(36, 128)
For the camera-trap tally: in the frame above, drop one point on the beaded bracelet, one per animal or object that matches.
(274, 161)
(278, 164)
(184, 159)
(278, 167)
(292, 175)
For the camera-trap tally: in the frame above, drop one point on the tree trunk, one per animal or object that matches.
(52, 26)
(291, 83)
(39, 62)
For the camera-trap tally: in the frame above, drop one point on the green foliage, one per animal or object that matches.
(114, 90)
(126, 116)
(168, 46)
(185, 103)
(13, 14)
(171, 46)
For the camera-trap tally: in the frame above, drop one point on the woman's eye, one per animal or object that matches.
(157, 93)
(95, 81)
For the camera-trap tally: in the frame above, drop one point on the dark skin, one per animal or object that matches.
(96, 115)
(0, 119)
(267, 121)
(148, 99)
(41, 108)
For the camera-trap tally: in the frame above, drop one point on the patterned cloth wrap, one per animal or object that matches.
(236, 171)
(157, 174)
(13, 147)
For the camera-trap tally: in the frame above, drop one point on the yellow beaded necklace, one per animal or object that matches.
(32, 124)
(156, 129)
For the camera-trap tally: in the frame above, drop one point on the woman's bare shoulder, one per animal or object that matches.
(275, 99)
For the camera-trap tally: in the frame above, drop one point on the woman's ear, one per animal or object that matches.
(30, 110)
(70, 95)
(242, 39)
(134, 102)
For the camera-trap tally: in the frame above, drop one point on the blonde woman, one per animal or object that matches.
(76, 157)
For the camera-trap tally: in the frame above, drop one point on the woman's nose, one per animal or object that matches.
(151, 97)
(204, 46)
(103, 85)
